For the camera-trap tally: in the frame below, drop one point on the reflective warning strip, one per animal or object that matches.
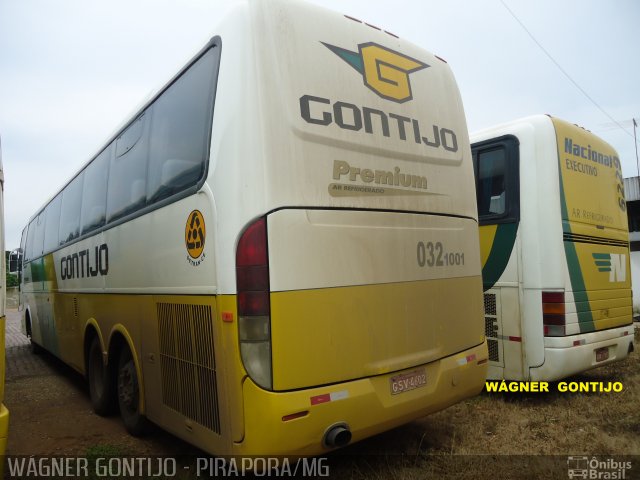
(467, 359)
(509, 338)
(329, 397)
(577, 343)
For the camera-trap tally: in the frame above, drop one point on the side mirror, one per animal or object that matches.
(15, 261)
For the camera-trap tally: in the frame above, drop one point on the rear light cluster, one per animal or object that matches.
(254, 310)
(553, 314)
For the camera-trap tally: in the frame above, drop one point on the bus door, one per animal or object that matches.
(497, 190)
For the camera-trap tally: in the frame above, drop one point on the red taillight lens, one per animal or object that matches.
(552, 297)
(254, 304)
(252, 247)
(553, 314)
(251, 304)
(252, 270)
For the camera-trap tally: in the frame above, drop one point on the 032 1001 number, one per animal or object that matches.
(434, 255)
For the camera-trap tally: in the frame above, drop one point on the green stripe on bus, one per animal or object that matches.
(585, 317)
(501, 248)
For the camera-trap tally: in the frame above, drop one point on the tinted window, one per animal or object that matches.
(23, 242)
(52, 224)
(180, 129)
(128, 171)
(496, 168)
(70, 213)
(490, 184)
(94, 197)
(35, 237)
(31, 233)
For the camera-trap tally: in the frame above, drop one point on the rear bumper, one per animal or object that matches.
(366, 406)
(562, 358)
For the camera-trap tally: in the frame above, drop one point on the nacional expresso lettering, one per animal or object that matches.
(350, 117)
(85, 263)
(589, 153)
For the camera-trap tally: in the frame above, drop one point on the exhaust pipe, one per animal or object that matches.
(337, 435)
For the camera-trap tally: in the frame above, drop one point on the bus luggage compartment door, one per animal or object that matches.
(362, 293)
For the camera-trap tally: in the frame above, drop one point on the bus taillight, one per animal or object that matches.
(553, 314)
(254, 321)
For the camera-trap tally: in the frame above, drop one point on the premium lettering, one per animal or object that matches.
(381, 177)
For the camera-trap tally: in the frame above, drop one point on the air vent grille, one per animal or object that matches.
(187, 362)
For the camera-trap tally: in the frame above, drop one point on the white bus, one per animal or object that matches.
(554, 247)
(268, 258)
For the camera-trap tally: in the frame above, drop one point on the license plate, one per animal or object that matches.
(602, 354)
(408, 381)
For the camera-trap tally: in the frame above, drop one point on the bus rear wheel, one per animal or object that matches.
(100, 384)
(129, 395)
(34, 347)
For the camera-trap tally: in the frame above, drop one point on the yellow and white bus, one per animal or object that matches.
(554, 244)
(4, 413)
(270, 256)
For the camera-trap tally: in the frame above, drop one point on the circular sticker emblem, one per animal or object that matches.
(194, 234)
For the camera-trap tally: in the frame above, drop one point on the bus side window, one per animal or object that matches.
(71, 207)
(128, 171)
(491, 192)
(496, 169)
(52, 224)
(30, 235)
(181, 123)
(94, 197)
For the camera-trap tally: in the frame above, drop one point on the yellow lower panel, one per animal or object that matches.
(615, 317)
(332, 335)
(4, 428)
(3, 326)
(367, 406)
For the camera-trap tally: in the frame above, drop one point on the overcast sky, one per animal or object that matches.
(72, 70)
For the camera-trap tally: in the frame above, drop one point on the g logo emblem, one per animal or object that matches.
(384, 71)
(195, 234)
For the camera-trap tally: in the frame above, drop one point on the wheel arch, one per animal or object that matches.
(120, 338)
(91, 331)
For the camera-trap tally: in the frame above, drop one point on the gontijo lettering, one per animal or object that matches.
(83, 264)
(348, 116)
(501, 386)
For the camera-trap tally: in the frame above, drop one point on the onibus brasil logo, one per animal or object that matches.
(615, 264)
(384, 71)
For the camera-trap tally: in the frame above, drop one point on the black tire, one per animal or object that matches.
(128, 389)
(101, 388)
(34, 347)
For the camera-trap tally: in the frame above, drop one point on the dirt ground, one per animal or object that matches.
(490, 436)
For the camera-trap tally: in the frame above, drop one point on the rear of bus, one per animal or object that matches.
(348, 236)
(555, 254)
(588, 323)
